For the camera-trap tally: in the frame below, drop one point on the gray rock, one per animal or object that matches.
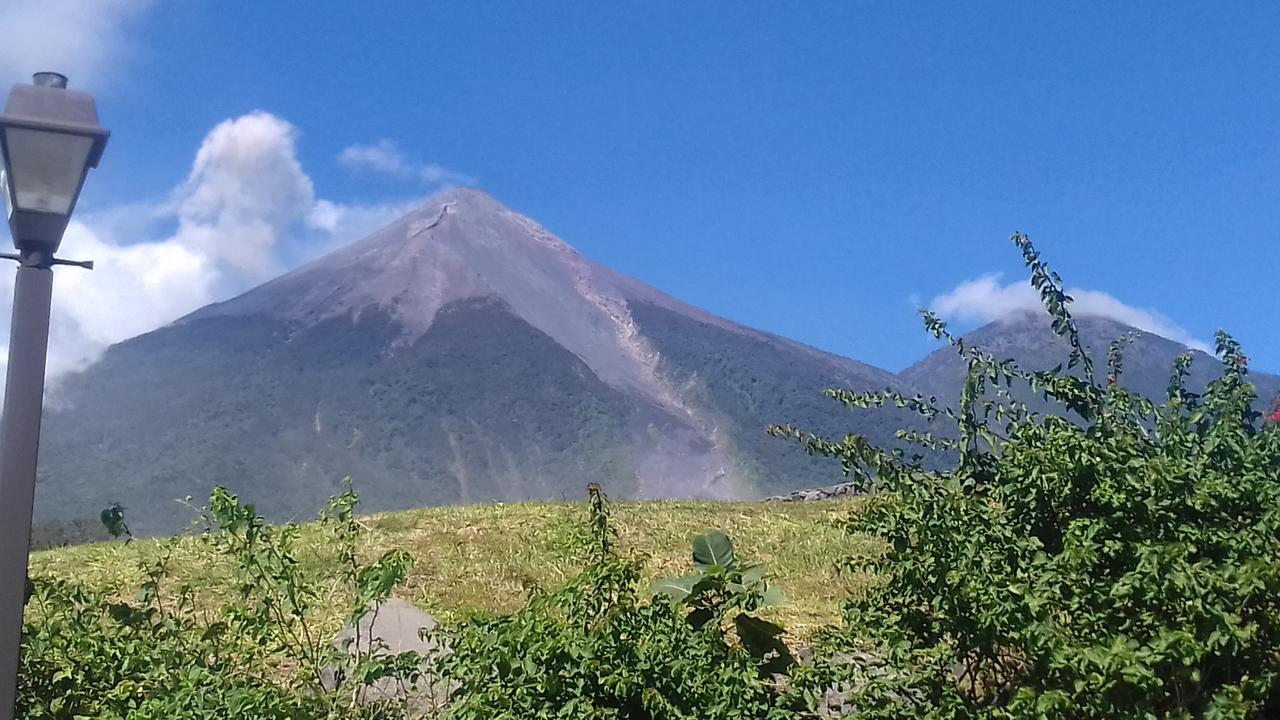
(389, 628)
(396, 625)
(839, 700)
(821, 493)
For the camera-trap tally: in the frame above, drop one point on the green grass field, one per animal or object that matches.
(482, 559)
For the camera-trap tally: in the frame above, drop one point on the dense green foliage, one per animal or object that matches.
(1124, 566)
(170, 653)
(599, 649)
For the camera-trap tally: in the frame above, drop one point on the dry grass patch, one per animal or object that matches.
(480, 559)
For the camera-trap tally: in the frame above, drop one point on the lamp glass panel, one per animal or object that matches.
(45, 168)
(4, 190)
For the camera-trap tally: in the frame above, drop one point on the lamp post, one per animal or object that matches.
(49, 138)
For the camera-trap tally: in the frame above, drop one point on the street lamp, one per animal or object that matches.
(49, 138)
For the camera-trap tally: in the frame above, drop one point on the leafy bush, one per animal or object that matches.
(1123, 565)
(595, 649)
(171, 653)
(723, 589)
(598, 648)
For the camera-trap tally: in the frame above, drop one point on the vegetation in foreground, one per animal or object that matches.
(1121, 564)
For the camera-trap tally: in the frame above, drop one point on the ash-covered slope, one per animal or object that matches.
(464, 244)
(461, 354)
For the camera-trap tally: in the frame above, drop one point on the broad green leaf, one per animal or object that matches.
(676, 587)
(752, 574)
(713, 548)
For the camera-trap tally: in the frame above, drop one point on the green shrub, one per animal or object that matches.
(171, 653)
(597, 649)
(1125, 565)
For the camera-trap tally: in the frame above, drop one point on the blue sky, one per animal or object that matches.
(813, 169)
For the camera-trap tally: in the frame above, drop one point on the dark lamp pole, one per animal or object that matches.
(49, 138)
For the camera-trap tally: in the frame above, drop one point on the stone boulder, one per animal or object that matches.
(393, 627)
(822, 493)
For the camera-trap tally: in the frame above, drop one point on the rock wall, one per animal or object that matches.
(822, 493)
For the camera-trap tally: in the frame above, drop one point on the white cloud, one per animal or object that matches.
(83, 39)
(381, 157)
(386, 158)
(132, 290)
(246, 211)
(987, 299)
(245, 193)
(340, 223)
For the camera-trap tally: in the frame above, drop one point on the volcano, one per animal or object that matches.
(461, 354)
(464, 354)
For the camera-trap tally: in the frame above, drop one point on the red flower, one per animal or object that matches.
(1275, 416)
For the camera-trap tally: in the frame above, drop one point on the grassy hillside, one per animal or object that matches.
(472, 560)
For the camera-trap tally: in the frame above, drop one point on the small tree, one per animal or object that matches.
(1123, 566)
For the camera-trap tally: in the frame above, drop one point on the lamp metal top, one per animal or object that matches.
(48, 105)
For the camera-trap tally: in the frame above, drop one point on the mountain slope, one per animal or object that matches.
(749, 384)
(1029, 339)
(464, 354)
(461, 354)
